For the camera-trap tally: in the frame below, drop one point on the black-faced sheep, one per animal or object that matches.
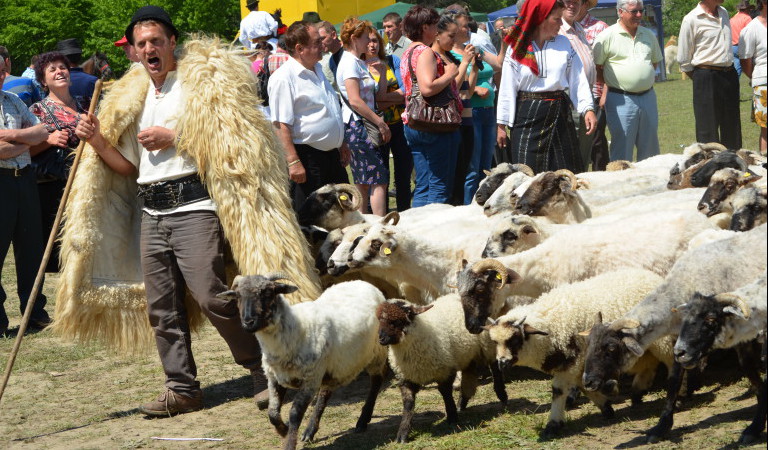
(314, 347)
(430, 344)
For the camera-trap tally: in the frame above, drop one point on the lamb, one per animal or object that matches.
(720, 266)
(505, 196)
(724, 321)
(314, 346)
(427, 265)
(723, 185)
(651, 241)
(749, 208)
(429, 344)
(514, 233)
(670, 55)
(544, 335)
(553, 195)
(495, 177)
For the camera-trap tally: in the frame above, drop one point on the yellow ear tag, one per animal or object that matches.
(387, 251)
(343, 197)
(746, 175)
(498, 276)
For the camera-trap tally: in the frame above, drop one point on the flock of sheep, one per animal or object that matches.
(584, 277)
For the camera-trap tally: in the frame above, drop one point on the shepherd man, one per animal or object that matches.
(185, 135)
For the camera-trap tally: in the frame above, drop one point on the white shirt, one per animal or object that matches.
(482, 42)
(752, 44)
(351, 66)
(305, 100)
(160, 165)
(560, 69)
(256, 24)
(704, 39)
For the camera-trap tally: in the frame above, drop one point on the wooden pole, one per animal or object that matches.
(48, 250)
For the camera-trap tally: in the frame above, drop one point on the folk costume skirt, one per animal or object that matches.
(544, 135)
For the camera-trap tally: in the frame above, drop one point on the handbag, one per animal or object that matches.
(374, 135)
(51, 164)
(437, 113)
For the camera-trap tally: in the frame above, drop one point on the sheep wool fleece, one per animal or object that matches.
(100, 295)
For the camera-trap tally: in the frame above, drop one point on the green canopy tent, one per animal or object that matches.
(376, 17)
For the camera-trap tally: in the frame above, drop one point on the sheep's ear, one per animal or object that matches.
(680, 309)
(513, 277)
(227, 295)
(464, 263)
(388, 247)
(487, 172)
(632, 345)
(734, 310)
(421, 309)
(748, 177)
(236, 281)
(584, 333)
(282, 288)
(527, 329)
(528, 229)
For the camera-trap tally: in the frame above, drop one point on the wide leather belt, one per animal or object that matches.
(15, 172)
(621, 91)
(718, 68)
(173, 193)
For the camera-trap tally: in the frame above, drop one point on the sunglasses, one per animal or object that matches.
(634, 11)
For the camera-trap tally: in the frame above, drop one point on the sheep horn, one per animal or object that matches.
(352, 192)
(493, 264)
(519, 167)
(716, 146)
(394, 216)
(735, 300)
(520, 322)
(570, 175)
(277, 276)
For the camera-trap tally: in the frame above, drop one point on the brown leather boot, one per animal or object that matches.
(260, 388)
(170, 403)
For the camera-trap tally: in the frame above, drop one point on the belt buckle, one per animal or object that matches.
(16, 172)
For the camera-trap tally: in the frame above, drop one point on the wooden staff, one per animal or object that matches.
(48, 249)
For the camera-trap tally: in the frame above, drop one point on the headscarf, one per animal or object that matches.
(530, 16)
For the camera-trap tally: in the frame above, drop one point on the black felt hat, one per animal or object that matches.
(150, 12)
(69, 47)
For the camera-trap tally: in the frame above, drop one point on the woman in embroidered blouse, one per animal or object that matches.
(60, 113)
(359, 91)
(434, 154)
(538, 67)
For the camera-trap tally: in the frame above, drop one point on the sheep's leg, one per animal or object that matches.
(560, 390)
(370, 402)
(498, 383)
(749, 360)
(667, 416)
(601, 401)
(276, 396)
(753, 431)
(314, 421)
(300, 403)
(408, 391)
(469, 383)
(446, 391)
(643, 379)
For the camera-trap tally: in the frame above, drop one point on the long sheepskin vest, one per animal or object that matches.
(101, 295)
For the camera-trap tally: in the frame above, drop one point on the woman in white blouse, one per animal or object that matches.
(538, 68)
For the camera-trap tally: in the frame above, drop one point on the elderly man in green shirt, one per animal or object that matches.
(626, 56)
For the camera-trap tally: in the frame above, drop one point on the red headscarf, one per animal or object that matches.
(530, 16)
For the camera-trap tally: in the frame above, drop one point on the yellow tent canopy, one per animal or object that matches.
(334, 11)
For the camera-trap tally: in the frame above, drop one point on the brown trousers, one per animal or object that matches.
(186, 250)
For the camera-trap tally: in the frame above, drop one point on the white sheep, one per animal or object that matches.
(505, 196)
(553, 195)
(514, 233)
(750, 206)
(719, 266)
(544, 334)
(314, 347)
(429, 344)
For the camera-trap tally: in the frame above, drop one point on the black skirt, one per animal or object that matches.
(544, 135)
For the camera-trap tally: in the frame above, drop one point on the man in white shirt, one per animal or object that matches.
(307, 116)
(705, 54)
(182, 239)
(256, 25)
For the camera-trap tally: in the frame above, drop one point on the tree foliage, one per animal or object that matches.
(673, 12)
(30, 28)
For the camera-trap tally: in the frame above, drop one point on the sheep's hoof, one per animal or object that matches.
(607, 411)
(282, 429)
(308, 435)
(402, 439)
(652, 439)
(361, 427)
(463, 403)
(552, 429)
(637, 398)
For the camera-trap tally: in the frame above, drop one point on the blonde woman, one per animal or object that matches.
(359, 91)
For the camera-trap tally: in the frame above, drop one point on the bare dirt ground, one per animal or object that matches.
(64, 395)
